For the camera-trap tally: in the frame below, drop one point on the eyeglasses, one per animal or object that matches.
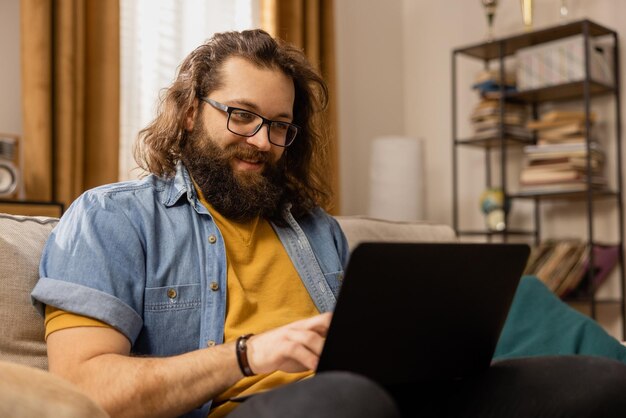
(246, 123)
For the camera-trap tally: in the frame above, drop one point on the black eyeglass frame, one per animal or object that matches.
(229, 110)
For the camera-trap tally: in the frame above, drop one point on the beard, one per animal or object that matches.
(238, 195)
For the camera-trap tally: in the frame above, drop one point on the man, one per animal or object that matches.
(213, 278)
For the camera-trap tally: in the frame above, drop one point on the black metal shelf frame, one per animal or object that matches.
(583, 91)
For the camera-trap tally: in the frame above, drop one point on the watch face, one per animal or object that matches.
(8, 179)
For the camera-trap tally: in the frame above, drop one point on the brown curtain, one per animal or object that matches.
(309, 24)
(70, 89)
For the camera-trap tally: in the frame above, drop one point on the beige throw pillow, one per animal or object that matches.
(21, 243)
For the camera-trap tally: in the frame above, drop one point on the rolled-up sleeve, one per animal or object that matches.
(93, 264)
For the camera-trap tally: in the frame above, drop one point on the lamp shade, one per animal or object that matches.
(396, 179)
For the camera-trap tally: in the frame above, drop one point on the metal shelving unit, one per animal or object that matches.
(584, 91)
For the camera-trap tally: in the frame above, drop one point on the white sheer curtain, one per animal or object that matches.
(156, 35)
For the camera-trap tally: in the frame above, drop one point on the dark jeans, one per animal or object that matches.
(557, 386)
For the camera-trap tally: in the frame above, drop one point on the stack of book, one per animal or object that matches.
(563, 265)
(486, 118)
(558, 162)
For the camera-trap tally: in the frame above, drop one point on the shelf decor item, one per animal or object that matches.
(494, 206)
(527, 14)
(490, 12)
(563, 61)
(563, 11)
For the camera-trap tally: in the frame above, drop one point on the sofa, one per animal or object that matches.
(26, 388)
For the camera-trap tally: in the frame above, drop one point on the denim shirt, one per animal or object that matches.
(147, 258)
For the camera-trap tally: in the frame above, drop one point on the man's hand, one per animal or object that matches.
(294, 347)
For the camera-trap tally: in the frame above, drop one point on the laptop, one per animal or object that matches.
(410, 312)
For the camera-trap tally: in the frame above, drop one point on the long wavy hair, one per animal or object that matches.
(159, 145)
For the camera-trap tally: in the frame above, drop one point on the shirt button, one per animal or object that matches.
(212, 239)
(171, 293)
(210, 343)
(214, 286)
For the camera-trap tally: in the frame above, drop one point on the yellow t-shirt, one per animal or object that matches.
(264, 291)
(57, 319)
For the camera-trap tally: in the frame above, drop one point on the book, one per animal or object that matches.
(569, 129)
(577, 159)
(558, 147)
(561, 187)
(509, 131)
(486, 108)
(549, 176)
(555, 115)
(554, 120)
(510, 118)
(494, 75)
(492, 86)
(563, 150)
(547, 271)
(564, 154)
(574, 276)
(552, 261)
(570, 139)
(538, 255)
(563, 163)
(606, 258)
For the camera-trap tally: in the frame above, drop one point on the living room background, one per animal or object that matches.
(413, 42)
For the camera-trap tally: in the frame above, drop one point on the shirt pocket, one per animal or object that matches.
(172, 298)
(171, 320)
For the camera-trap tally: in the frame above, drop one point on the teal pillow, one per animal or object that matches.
(539, 323)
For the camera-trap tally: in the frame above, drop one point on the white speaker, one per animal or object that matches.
(9, 166)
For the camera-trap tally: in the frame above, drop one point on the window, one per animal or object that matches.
(156, 35)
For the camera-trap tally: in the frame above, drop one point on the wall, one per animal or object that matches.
(10, 80)
(413, 74)
(371, 100)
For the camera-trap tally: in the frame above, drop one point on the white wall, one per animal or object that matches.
(410, 42)
(10, 79)
(371, 93)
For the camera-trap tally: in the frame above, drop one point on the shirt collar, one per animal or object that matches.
(177, 186)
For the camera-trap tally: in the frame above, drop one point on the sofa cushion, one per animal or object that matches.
(27, 392)
(540, 324)
(360, 229)
(21, 244)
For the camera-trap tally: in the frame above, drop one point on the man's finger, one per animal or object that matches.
(311, 340)
(317, 323)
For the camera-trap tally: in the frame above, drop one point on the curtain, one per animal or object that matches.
(70, 89)
(309, 24)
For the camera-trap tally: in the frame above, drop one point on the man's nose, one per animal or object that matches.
(261, 139)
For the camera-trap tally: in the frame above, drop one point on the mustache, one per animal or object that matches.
(245, 152)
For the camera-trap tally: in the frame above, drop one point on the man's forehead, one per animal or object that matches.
(257, 88)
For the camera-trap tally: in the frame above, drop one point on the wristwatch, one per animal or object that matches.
(8, 178)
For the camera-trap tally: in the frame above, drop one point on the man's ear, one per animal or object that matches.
(190, 117)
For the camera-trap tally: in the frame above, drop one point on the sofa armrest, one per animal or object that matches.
(27, 392)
